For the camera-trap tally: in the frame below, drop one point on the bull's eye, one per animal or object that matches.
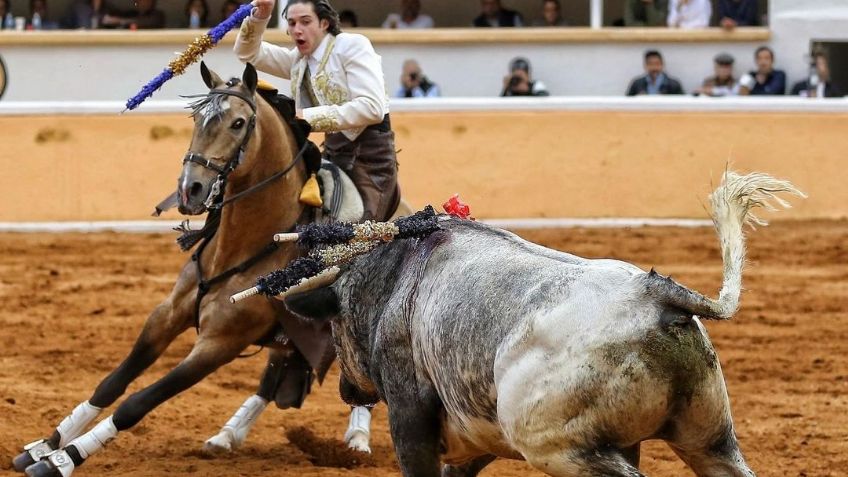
(237, 124)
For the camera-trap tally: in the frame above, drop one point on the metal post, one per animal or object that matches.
(596, 18)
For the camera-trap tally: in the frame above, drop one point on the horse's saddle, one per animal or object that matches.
(342, 202)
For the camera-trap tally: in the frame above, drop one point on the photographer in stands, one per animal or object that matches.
(519, 82)
(414, 84)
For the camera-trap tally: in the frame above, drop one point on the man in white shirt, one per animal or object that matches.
(338, 87)
(410, 16)
(689, 13)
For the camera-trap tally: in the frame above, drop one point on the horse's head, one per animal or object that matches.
(224, 120)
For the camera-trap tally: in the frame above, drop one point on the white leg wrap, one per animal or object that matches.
(62, 461)
(95, 439)
(235, 431)
(74, 425)
(359, 430)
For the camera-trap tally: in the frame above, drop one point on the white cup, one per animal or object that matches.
(20, 23)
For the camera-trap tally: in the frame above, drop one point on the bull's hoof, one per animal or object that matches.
(22, 461)
(43, 468)
(359, 441)
(219, 444)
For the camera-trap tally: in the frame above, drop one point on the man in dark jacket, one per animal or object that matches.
(734, 13)
(494, 15)
(818, 85)
(655, 80)
(765, 80)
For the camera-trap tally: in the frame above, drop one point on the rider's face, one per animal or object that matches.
(305, 28)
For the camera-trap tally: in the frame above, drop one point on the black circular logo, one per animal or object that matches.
(2, 77)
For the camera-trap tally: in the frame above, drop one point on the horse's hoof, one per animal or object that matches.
(32, 453)
(358, 441)
(43, 468)
(219, 444)
(22, 461)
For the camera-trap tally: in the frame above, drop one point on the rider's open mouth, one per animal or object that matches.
(300, 42)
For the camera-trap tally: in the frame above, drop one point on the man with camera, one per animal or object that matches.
(414, 84)
(519, 83)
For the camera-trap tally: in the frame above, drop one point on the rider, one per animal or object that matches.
(338, 86)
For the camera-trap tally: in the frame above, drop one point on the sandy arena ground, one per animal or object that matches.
(73, 304)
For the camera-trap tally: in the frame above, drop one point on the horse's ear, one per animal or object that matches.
(249, 78)
(211, 79)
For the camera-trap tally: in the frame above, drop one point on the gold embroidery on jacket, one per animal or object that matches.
(247, 31)
(325, 122)
(332, 92)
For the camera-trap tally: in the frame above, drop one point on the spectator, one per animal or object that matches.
(734, 13)
(492, 14)
(723, 83)
(199, 9)
(228, 8)
(818, 85)
(689, 14)
(519, 82)
(145, 16)
(5, 8)
(766, 80)
(655, 80)
(551, 15)
(414, 84)
(410, 16)
(642, 13)
(347, 19)
(85, 14)
(39, 7)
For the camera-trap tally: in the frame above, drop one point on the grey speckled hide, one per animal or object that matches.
(483, 345)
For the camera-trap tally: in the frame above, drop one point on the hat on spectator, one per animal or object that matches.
(519, 63)
(724, 59)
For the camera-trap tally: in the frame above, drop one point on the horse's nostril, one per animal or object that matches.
(196, 188)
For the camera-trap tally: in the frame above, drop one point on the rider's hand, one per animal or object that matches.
(264, 9)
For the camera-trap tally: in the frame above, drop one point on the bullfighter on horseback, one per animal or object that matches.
(338, 87)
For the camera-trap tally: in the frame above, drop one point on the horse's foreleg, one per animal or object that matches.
(159, 331)
(207, 356)
(358, 434)
(286, 381)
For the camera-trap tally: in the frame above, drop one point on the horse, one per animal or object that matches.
(244, 167)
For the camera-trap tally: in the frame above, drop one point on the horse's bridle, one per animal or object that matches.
(212, 200)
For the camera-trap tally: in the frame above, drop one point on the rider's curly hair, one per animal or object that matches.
(324, 11)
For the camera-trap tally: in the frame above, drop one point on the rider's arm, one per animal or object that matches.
(268, 58)
(366, 86)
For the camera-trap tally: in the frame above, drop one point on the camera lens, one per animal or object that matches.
(413, 76)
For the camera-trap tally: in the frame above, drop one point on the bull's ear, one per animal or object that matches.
(320, 304)
(211, 79)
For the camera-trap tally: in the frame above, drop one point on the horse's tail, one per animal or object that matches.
(732, 203)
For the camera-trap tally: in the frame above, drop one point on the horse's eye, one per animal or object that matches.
(237, 124)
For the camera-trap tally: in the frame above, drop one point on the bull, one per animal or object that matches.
(484, 345)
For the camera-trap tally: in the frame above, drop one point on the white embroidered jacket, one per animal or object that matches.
(348, 81)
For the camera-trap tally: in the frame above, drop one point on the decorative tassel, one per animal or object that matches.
(311, 193)
(194, 52)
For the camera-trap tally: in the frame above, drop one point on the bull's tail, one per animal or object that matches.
(732, 203)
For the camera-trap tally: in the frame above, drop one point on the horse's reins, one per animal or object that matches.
(215, 204)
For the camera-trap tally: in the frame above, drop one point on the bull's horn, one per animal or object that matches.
(326, 277)
(286, 237)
